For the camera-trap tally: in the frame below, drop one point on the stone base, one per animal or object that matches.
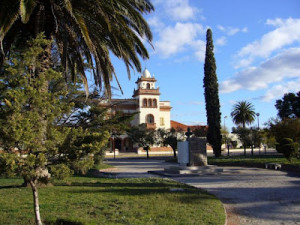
(175, 171)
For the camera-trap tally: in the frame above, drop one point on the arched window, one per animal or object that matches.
(145, 102)
(154, 103)
(150, 118)
(149, 102)
(148, 86)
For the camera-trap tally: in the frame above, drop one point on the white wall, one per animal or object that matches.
(167, 116)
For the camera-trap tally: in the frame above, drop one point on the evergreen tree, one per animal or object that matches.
(169, 137)
(75, 128)
(289, 106)
(211, 93)
(142, 136)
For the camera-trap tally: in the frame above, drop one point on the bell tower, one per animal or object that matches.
(147, 96)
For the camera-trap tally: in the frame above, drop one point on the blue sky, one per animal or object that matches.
(257, 51)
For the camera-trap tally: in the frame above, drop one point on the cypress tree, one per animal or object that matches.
(211, 93)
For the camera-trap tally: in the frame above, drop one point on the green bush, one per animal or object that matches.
(83, 165)
(60, 171)
(288, 148)
(8, 165)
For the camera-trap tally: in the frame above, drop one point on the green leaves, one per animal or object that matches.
(288, 148)
(83, 31)
(289, 106)
(243, 113)
(211, 93)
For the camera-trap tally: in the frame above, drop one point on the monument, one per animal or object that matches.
(192, 158)
(192, 152)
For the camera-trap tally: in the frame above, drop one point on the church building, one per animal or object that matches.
(146, 103)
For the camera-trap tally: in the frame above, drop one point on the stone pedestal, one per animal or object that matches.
(183, 153)
(197, 152)
(192, 152)
(192, 158)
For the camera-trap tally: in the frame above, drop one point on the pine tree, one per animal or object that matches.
(211, 93)
(30, 151)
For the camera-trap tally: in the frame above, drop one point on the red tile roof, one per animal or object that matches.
(180, 126)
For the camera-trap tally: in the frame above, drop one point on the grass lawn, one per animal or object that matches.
(85, 200)
(254, 161)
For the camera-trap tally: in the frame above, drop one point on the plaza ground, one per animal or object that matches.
(250, 195)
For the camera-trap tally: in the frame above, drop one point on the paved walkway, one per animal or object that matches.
(250, 195)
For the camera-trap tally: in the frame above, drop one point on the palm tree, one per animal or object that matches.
(243, 113)
(83, 31)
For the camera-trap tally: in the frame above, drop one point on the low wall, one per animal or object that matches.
(112, 153)
(156, 151)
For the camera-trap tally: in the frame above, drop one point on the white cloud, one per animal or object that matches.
(221, 28)
(283, 66)
(221, 41)
(232, 102)
(155, 23)
(175, 39)
(286, 32)
(200, 47)
(230, 31)
(178, 10)
(279, 90)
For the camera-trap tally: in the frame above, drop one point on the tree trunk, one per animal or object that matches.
(174, 150)
(38, 220)
(147, 150)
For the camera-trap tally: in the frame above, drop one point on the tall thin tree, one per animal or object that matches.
(211, 92)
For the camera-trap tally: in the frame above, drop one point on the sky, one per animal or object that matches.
(257, 52)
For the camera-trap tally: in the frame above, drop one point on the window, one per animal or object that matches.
(145, 102)
(149, 102)
(150, 118)
(148, 86)
(162, 121)
(154, 103)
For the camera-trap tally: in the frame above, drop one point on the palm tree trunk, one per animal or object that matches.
(38, 220)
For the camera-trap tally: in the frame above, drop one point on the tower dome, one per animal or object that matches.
(146, 73)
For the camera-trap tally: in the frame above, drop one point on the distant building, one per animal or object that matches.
(146, 103)
(150, 110)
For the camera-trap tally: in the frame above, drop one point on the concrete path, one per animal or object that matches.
(250, 195)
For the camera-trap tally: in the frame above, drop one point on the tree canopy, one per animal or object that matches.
(243, 113)
(48, 132)
(142, 136)
(83, 32)
(289, 106)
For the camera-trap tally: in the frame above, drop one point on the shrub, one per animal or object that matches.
(8, 165)
(82, 166)
(288, 148)
(60, 171)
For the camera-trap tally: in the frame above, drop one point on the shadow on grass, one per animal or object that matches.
(63, 222)
(11, 186)
(122, 184)
(134, 189)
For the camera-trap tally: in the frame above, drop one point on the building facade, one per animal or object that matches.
(149, 109)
